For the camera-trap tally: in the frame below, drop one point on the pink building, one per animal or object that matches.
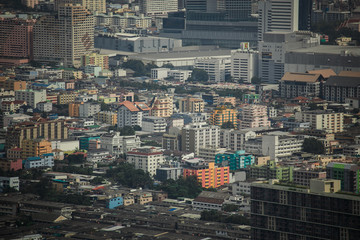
(254, 116)
(16, 39)
(8, 165)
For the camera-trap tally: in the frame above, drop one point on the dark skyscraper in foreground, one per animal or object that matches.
(305, 7)
(288, 212)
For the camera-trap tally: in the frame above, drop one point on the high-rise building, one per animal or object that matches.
(216, 68)
(284, 211)
(158, 6)
(162, 106)
(272, 171)
(65, 36)
(254, 116)
(221, 115)
(95, 59)
(106, 117)
(31, 97)
(30, 3)
(91, 5)
(238, 9)
(131, 113)
(191, 105)
(194, 136)
(349, 174)
(236, 160)
(275, 45)
(244, 64)
(16, 39)
(209, 175)
(322, 120)
(35, 147)
(300, 84)
(305, 9)
(50, 130)
(118, 145)
(278, 16)
(196, 5)
(146, 158)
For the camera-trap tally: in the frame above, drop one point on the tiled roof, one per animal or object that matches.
(343, 81)
(349, 74)
(301, 77)
(129, 105)
(326, 73)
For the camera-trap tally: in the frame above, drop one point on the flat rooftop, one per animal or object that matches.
(188, 54)
(330, 49)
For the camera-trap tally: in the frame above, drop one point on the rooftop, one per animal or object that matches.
(301, 77)
(330, 49)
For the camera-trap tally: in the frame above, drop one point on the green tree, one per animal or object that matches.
(255, 80)
(136, 65)
(150, 66)
(137, 128)
(168, 65)
(199, 75)
(105, 107)
(76, 158)
(228, 125)
(127, 131)
(151, 143)
(182, 187)
(230, 208)
(312, 145)
(125, 174)
(97, 180)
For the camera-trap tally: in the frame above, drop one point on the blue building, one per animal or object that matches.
(114, 202)
(236, 160)
(84, 142)
(45, 160)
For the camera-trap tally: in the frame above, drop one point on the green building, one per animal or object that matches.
(271, 171)
(349, 174)
(236, 160)
(84, 142)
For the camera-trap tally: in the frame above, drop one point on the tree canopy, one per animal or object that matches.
(126, 175)
(183, 187)
(199, 75)
(312, 145)
(136, 65)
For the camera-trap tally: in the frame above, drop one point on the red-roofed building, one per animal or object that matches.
(12, 106)
(131, 113)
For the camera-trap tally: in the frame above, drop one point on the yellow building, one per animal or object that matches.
(192, 105)
(106, 117)
(66, 98)
(222, 115)
(74, 109)
(162, 106)
(95, 59)
(35, 147)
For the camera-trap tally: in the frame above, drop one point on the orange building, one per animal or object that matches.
(35, 147)
(222, 115)
(14, 85)
(209, 176)
(74, 109)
